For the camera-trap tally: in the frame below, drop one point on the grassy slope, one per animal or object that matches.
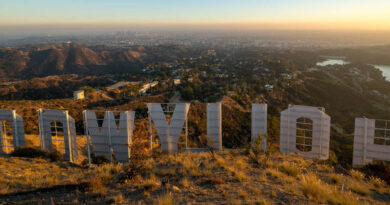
(228, 177)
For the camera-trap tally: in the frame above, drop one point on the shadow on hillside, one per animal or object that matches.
(107, 103)
(37, 94)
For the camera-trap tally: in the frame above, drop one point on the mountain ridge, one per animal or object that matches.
(26, 62)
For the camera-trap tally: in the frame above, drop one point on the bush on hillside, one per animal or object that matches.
(99, 159)
(28, 152)
(54, 156)
(32, 152)
(139, 156)
(378, 169)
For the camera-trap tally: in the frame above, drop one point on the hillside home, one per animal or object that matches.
(78, 95)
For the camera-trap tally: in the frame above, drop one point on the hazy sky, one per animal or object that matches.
(343, 14)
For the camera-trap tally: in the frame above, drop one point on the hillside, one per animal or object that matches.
(54, 59)
(50, 87)
(230, 177)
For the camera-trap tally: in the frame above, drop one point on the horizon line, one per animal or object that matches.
(332, 26)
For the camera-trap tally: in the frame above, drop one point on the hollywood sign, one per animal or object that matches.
(303, 129)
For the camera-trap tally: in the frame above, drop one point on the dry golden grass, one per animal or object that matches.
(185, 182)
(189, 167)
(312, 187)
(359, 188)
(165, 199)
(292, 189)
(240, 176)
(276, 174)
(261, 160)
(20, 174)
(237, 175)
(256, 191)
(318, 191)
(289, 180)
(240, 164)
(97, 186)
(299, 161)
(165, 172)
(335, 178)
(324, 168)
(242, 194)
(339, 197)
(263, 201)
(150, 184)
(376, 182)
(356, 174)
(213, 181)
(273, 194)
(235, 201)
(202, 178)
(106, 171)
(116, 199)
(289, 169)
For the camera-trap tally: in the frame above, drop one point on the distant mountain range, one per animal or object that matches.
(54, 59)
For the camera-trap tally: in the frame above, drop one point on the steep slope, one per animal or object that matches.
(12, 61)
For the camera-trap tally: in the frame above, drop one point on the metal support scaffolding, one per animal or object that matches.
(57, 129)
(87, 138)
(7, 137)
(40, 125)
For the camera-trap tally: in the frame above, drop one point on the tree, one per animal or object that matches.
(187, 93)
